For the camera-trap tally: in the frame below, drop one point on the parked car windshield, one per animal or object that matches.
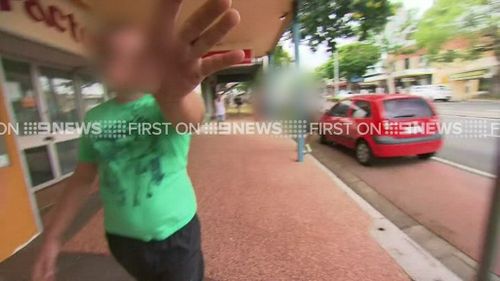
(407, 108)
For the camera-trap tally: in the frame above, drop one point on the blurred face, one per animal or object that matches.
(119, 53)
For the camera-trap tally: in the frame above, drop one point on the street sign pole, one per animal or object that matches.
(296, 42)
(336, 71)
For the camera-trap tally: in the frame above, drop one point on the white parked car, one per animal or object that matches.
(432, 92)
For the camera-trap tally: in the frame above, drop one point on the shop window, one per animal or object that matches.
(4, 156)
(93, 93)
(20, 92)
(59, 91)
(38, 160)
(423, 61)
(485, 84)
(68, 154)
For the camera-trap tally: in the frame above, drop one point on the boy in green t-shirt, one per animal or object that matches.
(149, 202)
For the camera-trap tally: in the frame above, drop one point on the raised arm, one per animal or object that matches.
(177, 55)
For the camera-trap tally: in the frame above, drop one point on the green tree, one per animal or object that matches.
(439, 23)
(478, 21)
(354, 59)
(481, 24)
(281, 57)
(325, 21)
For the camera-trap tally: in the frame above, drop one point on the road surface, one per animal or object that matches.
(475, 146)
(449, 201)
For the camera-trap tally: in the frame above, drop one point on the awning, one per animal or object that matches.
(368, 84)
(376, 78)
(476, 74)
(239, 73)
(414, 72)
(262, 21)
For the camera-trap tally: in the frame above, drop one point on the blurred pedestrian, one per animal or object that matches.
(238, 100)
(220, 109)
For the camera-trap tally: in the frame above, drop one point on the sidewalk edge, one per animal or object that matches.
(417, 262)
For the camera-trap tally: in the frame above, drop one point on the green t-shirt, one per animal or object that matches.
(142, 163)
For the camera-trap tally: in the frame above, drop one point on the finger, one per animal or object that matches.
(219, 62)
(164, 18)
(168, 11)
(200, 20)
(216, 33)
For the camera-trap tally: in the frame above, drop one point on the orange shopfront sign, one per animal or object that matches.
(51, 15)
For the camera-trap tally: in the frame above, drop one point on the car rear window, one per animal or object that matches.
(407, 108)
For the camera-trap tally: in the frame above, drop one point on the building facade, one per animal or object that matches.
(466, 78)
(43, 79)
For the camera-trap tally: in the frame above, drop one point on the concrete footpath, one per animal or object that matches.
(264, 217)
(441, 207)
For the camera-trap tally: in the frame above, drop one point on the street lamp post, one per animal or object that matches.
(296, 42)
(336, 72)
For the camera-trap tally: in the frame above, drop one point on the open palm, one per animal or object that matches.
(175, 57)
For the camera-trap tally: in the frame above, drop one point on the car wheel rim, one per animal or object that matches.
(363, 153)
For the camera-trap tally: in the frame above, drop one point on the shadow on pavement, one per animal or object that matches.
(76, 267)
(380, 162)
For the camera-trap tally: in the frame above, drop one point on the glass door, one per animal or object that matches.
(54, 97)
(27, 109)
(61, 95)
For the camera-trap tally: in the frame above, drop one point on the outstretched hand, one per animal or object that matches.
(175, 57)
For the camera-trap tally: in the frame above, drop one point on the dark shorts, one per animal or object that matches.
(177, 258)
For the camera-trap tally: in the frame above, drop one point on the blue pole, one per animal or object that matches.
(296, 42)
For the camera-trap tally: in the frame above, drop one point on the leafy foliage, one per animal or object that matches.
(281, 57)
(477, 21)
(354, 59)
(481, 24)
(439, 24)
(325, 21)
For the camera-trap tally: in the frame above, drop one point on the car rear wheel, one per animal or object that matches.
(323, 140)
(364, 153)
(426, 156)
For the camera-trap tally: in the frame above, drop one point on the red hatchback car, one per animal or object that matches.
(383, 126)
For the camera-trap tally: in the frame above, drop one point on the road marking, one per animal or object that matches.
(492, 116)
(470, 117)
(417, 262)
(465, 168)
